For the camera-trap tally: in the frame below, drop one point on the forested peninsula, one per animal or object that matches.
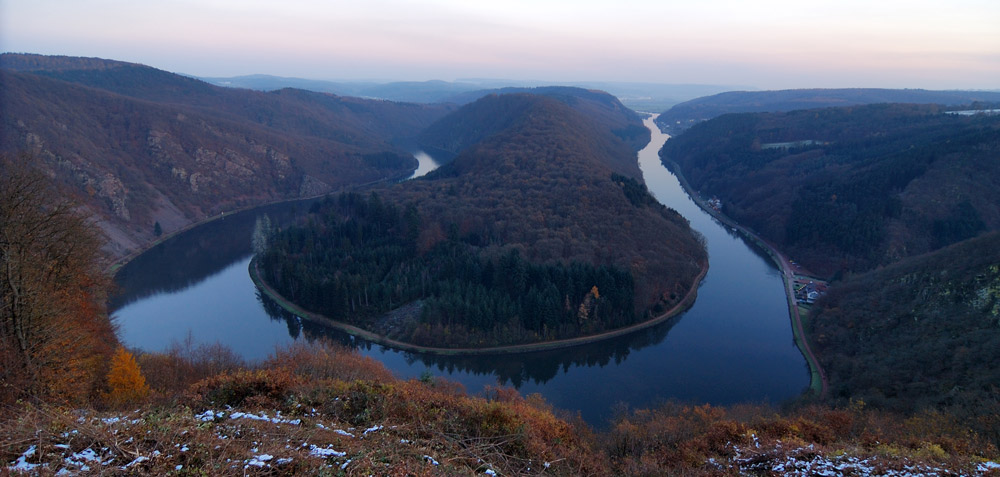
(538, 231)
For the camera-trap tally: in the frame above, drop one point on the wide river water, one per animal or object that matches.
(734, 345)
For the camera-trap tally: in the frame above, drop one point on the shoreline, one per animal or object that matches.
(116, 264)
(817, 377)
(296, 310)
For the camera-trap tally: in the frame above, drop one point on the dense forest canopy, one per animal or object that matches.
(468, 126)
(849, 188)
(531, 234)
(922, 333)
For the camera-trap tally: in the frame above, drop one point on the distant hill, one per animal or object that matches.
(469, 126)
(648, 97)
(849, 189)
(531, 234)
(140, 146)
(918, 334)
(688, 113)
(434, 91)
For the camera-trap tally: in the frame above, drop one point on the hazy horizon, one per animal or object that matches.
(767, 45)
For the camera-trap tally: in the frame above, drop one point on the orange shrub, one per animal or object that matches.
(172, 372)
(264, 385)
(325, 360)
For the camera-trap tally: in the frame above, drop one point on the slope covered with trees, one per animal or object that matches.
(141, 146)
(529, 235)
(467, 127)
(686, 114)
(922, 333)
(844, 189)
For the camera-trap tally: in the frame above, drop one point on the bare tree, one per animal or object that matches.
(54, 333)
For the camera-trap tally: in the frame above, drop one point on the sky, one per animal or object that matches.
(767, 44)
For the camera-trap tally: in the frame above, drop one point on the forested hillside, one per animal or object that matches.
(848, 189)
(922, 333)
(142, 147)
(686, 114)
(530, 235)
(467, 127)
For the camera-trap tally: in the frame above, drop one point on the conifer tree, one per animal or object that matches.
(126, 384)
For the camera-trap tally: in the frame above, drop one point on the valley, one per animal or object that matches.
(363, 257)
(742, 296)
(139, 146)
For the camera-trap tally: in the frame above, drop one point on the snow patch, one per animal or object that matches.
(260, 460)
(22, 464)
(325, 452)
(137, 460)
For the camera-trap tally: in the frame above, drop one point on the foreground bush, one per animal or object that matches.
(320, 409)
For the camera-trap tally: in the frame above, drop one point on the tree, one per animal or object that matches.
(262, 231)
(157, 229)
(54, 334)
(126, 385)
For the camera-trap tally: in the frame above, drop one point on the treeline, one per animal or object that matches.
(359, 258)
(849, 188)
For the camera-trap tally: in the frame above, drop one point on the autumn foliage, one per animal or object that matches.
(126, 385)
(55, 337)
(328, 396)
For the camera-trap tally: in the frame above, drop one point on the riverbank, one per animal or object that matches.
(817, 381)
(120, 262)
(679, 308)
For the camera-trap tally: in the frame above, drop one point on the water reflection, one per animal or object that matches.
(189, 258)
(510, 369)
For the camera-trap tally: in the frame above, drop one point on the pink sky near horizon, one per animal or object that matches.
(768, 44)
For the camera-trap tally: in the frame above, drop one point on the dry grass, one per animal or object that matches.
(319, 409)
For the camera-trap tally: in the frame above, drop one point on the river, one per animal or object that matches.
(734, 345)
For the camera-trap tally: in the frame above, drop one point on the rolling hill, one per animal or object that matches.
(469, 126)
(849, 189)
(686, 114)
(139, 146)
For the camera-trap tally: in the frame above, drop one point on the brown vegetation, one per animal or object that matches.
(55, 337)
(320, 409)
(139, 146)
